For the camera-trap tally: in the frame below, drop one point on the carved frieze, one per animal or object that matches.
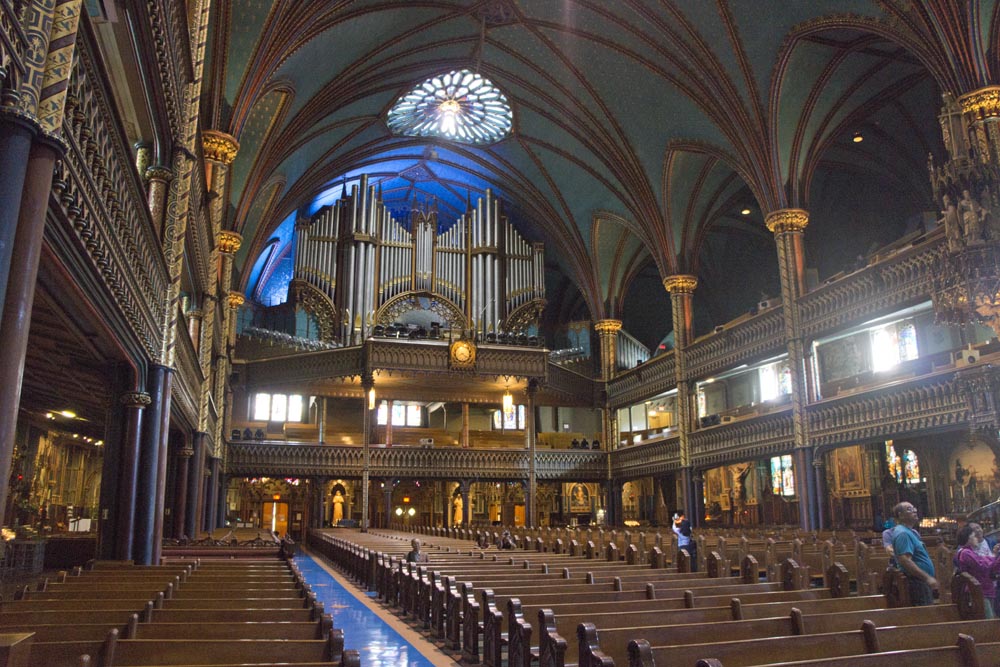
(651, 458)
(743, 440)
(741, 343)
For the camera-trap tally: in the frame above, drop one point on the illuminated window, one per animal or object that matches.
(702, 404)
(775, 380)
(278, 408)
(461, 106)
(782, 476)
(413, 415)
(892, 344)
(262, 407)
(403, 414)
(511, 421)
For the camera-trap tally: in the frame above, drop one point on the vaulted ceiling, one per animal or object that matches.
(642, 129)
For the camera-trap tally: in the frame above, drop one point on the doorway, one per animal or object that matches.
(276, 517)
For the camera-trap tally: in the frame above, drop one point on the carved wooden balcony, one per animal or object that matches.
(929, 402)
(649, 379)
(104, 205)
(268, 459)
(743, 439)
(13, 44)
(892, 283)
(188, 378)
(649, 458)
(741, 342)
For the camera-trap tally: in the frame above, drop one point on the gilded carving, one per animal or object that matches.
(981, 104)
(229, 242)
(680, 283)
(607, 326)
(135, 399)
(787, 220)
(235, 299)
(219, 146)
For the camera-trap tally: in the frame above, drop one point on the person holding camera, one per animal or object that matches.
(682, 528)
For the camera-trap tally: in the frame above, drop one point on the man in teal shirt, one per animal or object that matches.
(912, 556)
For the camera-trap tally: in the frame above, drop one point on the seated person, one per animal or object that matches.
(415, 555)
(505, 541)
(584, 444)
(596, 444)
(575, 444)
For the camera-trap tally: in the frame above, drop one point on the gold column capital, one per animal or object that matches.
(981, 104)
(787, 220)
(159, 174)
(607, 326)
(229, 242)
(680, 283)
(219, 146)
(235, 300)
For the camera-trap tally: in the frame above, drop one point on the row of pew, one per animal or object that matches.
(589, 607)
(183, 613)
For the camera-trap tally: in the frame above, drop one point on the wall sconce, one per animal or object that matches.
(371, 398)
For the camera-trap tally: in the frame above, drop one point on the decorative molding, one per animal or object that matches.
(981, 104)
(235, 299)
(680, 284)
(787, 220)
(229, 242)
(135, 399)
(741, 343)
(254, 459)
(219, 146)
(607, 326)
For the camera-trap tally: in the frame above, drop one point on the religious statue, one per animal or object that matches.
(972, 218)
(338, 507)
(952, 225)
(459, 504)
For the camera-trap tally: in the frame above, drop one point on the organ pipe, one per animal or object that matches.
(361, 257)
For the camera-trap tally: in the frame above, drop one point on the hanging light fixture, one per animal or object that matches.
(371, 398)
(508, 401)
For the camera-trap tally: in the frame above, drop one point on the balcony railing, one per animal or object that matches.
(13, 43)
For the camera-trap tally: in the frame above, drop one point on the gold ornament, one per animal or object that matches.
(219, 146)
(229, 242)
(982, 104)
(787, 220)
(607, 326)
(680, 283)
(463, 353)
(235, 300)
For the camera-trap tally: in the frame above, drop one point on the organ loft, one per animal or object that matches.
(282, 268)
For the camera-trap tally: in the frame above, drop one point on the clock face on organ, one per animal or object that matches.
(463, 352)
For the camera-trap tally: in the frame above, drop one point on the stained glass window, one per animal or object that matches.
(512, 420)
(904, 468)
(461, 106)
(782, 476)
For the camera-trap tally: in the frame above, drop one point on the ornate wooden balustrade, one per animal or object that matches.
(928, 403)
(742, 440)
(13, 43)
(898, 281)
(104, 203)
(744, 342)
(649, 379)
(482, 464)
(188, 379)
(651, 458)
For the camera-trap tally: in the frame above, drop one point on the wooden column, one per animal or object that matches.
(681, 289)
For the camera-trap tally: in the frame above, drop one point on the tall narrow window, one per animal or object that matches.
(782, 476)
(262, 407)
(279, 408)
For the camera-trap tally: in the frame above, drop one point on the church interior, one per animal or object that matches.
(270, 268)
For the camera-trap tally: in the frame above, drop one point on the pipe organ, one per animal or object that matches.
(629, 351)
(357, 267)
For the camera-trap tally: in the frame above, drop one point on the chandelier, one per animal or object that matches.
(967, 286)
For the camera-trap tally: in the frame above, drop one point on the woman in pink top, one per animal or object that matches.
(983, 568)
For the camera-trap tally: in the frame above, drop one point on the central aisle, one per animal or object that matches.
(382, 639)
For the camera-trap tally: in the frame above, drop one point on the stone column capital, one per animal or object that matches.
(135, 399)
(229, 242)
(787, 220)
(680, 283)
(219, 146)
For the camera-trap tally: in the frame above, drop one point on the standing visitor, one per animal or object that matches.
(912, 556)
(685, 542)
(983, 568)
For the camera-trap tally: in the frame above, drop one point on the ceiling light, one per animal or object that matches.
(68, 414)
(858, 138)
(49, 415)
(745, 211)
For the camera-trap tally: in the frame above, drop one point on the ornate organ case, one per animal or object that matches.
(356, 267)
